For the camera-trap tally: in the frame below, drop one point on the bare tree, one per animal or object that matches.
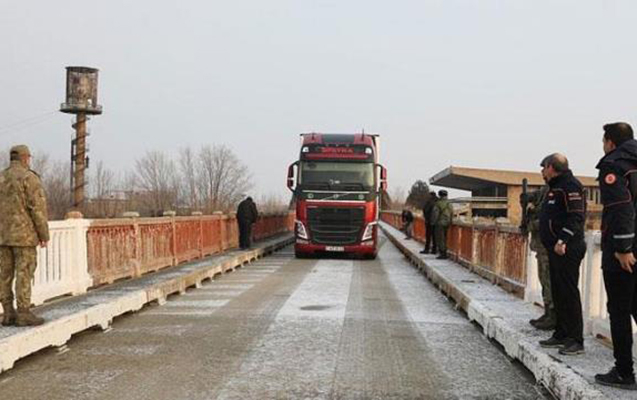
(56, 181)
(398, 196)
(188, 185)
(272, 203)
(223, 178)
(104, 201)
(156, 177)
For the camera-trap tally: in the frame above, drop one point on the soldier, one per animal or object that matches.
(430, 238)
(547, 321)
(562, 234)
(247, 215)
(618, 187)
(23, 226)
(441, 218)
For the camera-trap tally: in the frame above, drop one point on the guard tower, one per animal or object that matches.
(81, 100)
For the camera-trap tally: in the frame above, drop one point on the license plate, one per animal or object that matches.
(334, 248)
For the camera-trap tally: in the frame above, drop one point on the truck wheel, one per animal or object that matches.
(369, 256)
(300, 254)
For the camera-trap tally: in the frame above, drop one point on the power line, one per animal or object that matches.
(27, 122)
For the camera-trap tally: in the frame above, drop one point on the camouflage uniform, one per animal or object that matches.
(23, 226)
(441, 217)
(541, 254)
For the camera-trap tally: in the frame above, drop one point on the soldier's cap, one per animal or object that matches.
(442, 193)
(21, 150)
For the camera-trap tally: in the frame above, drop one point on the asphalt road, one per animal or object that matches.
(283, 328)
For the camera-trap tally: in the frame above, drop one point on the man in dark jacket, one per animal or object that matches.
(407, 218)
(562, 234)
(429, 227)
(247, 215)
(618, 187)
(441, 219)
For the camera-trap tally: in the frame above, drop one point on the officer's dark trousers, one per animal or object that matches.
(245, 234)
(621, 289)
(564, 271)
(430, 238)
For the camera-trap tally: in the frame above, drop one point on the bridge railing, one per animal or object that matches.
(127, 248)
(87, 253)
(501, 254)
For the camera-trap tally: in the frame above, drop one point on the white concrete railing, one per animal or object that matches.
(62, 265)
(591, 284)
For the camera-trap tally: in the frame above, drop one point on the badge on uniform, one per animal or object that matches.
(610, 179)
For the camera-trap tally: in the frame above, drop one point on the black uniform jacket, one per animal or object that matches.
(618, 187)
(563, 211)
(428, 208)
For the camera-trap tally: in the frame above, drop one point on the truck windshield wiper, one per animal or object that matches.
(317, 185)
(357, 185)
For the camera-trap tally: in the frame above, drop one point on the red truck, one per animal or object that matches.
(337, 184)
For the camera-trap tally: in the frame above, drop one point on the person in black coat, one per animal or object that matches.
(618, 188)
(247, 215)
(430, 238)
(407, 218)
(562, 233)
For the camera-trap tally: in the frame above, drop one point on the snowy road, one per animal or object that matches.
(285, 328)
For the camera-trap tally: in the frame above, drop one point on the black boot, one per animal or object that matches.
(547, 323)
(614, 379)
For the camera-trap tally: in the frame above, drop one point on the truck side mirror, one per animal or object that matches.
(291, 176)
(383, 178)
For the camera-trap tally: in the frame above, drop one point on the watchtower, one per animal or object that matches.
(81, 100)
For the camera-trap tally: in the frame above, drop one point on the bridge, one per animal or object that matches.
(168, 308)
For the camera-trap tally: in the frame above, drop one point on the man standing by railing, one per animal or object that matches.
(407, 218)
(23, 226)
(532, 225)
(441, 218)
(618, 187)
(430, 238)
(247, 215)
(562, 233)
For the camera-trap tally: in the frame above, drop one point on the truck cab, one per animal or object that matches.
(337, 182)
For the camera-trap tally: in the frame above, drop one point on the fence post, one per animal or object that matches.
(81, 278)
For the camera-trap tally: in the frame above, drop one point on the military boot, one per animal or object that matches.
(27, 318)
(540, 319)
(9, 314)
(547, 324)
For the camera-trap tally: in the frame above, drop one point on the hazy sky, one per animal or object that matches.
(496, 84)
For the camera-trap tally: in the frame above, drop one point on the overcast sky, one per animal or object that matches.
(494, 84)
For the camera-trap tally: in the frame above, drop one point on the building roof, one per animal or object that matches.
(477, 178)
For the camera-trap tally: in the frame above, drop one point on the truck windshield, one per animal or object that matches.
(337, 175)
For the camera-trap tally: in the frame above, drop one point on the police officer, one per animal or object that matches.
(618, 187)
(562, 234)
(247, 215)
(547, 321)
(441, 218)
(23, 226)
(430, 238)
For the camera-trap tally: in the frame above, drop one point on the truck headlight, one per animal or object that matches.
(369, 231)
(301, 232)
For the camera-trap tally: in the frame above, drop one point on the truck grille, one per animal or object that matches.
(335, 226)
